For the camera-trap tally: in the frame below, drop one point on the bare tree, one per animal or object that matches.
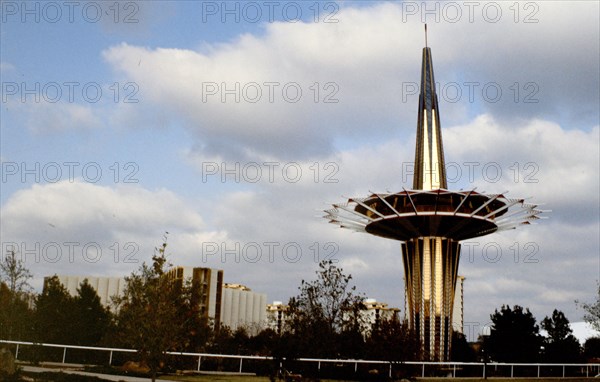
(14, 273)
(592, 315)
(326, 312)
(14, 285)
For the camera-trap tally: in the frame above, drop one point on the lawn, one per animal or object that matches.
(224, 378)
(228, 378)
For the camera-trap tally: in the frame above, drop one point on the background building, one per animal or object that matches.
(276, 315)
(458, 317)
(233, 305)
(374, 312)
(243, 308)
(208, 287)
(106, 287)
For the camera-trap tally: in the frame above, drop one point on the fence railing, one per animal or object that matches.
(449, 368)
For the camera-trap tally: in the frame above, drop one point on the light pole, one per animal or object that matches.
(485, 333)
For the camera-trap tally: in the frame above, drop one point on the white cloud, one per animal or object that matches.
(6, 67)
(370, 58)
(47, 117)
(52, 224)
(538, 158)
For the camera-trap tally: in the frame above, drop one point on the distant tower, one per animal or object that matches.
(430, 221)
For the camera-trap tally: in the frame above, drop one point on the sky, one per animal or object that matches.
(233, 125)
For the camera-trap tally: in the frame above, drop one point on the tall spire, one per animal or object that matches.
(430, 168)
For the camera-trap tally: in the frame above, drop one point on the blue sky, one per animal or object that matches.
(163, 140)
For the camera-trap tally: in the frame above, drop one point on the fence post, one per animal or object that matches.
(199, 360)
(17, 352)
(538, 370)
(454, 371)
(511, 370)
(390, 370)
(423, 371)
(563, 371)
(241, 359)
(110, 358)
(355, 367)
(64, 354)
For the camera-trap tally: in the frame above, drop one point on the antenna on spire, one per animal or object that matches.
(425, 35)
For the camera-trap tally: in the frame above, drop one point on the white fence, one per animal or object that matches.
(450, 368)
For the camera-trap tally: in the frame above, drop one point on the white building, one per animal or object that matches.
(458, 317)
(276, 315)
(208, 286)
(243, 308)
(106, 287)
(233, 305)
(375, 312)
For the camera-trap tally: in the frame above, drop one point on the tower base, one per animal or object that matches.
(431, 269)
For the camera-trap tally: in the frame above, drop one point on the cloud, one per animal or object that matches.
(533, 266)
(51, 118)
(235, 221)
(69, 226)
(537, 158)
(6, 67)
(239, 97)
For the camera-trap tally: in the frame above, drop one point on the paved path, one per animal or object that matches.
(107, 377)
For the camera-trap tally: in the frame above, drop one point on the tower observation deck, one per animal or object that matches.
(430, 221)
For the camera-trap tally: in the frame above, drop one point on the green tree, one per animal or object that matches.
(14, 295)
(324, 309)
(591, 348)
(561, 345)
(91, 319)
(15, 316)
(461, 350)
(592, 315)
(393, 340)
(54, 314)
(149, 317)
(263, 342)
(514, 336)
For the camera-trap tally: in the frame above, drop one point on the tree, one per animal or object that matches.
(591, 348)
(461, 350)
(53, 316)
(264, 342)
(91, 319)
(15, 319)
(561, 345)
(324, 309)
(393, 340)
(14, 273)
(514, 336)
(592, 315)
(14, 288)
(149, 317)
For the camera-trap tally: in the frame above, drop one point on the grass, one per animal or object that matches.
(50, 376)
(228, 378)
(224, 378)
(62, 377)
